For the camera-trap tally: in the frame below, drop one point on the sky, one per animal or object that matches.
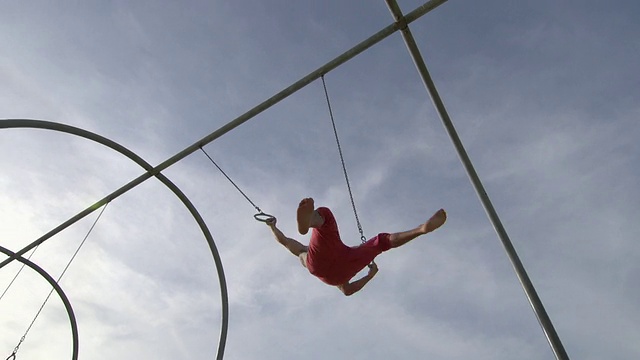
(544, 95)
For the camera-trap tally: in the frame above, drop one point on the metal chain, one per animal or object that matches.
(15, 351)
(344, 167)
(260, 216)
(231, 181)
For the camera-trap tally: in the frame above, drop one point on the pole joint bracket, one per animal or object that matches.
(397, 15)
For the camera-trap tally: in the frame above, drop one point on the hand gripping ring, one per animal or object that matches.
(262, 217)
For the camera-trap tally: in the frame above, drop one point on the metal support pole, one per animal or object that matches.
(532, 296)
(348, 55)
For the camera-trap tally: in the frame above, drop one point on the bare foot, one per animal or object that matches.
(437, 220)
(305, 210)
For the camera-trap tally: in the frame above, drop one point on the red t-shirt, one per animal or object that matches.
(333, 262)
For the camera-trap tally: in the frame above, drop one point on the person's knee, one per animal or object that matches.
(384, 242)
(316, 219)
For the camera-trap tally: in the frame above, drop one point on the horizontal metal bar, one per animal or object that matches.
(349, 54)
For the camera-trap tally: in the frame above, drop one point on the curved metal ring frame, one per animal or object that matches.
(48, 125)
(58, 289)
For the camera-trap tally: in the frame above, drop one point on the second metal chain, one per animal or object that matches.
(344, 167)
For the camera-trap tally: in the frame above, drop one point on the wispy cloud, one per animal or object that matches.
(541, 97)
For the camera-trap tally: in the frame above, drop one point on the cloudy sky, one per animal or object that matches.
(544, 94)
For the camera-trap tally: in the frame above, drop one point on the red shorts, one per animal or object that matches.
(361, 256)
(335, 263)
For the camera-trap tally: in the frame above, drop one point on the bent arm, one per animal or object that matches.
(351, 288)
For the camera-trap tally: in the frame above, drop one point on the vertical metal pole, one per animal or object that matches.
(532, 296)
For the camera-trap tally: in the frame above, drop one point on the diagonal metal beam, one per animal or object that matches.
(532, 296)
(339, 60)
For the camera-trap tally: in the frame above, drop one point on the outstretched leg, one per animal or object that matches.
(303, 215)
(307, 217)
(401, 238)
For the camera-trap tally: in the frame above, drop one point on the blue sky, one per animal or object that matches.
(544, 96)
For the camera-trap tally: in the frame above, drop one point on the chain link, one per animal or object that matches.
(15, 350)
(44, 303)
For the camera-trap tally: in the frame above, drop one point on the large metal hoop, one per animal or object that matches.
(63, 297)
(48, 125)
